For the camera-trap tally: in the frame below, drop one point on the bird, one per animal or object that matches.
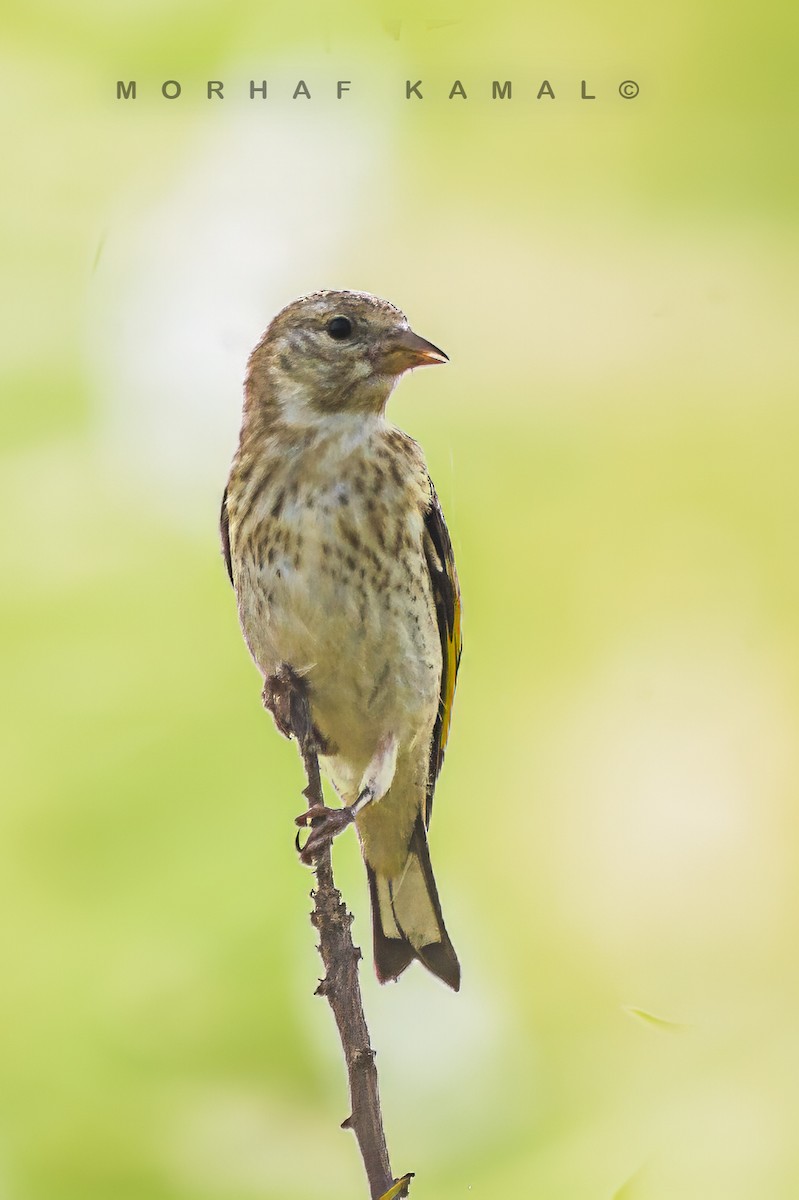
(343, 569)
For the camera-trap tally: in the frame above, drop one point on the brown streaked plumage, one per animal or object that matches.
(343, 569)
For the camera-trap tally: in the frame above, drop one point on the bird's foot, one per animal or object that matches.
(326, 823)
(285, 696)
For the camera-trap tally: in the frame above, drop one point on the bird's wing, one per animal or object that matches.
(447, 597)
(224, 529)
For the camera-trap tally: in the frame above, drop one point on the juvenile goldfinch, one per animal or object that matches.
(343, 569)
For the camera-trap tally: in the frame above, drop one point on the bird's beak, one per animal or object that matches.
(405, 350)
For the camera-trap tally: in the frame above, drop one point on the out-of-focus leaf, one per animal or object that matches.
(628, 1189)
(649, 1018)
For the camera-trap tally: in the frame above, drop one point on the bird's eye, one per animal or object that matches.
(339, 328)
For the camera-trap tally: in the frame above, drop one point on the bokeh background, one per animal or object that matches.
(614, 443)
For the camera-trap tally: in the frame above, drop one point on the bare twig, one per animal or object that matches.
(341, 985)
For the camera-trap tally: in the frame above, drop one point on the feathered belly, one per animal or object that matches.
(358, 623)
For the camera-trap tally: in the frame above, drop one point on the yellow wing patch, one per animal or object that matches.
(450, 671)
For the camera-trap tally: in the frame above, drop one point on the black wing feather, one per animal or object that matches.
(224, 529)
(446, 594)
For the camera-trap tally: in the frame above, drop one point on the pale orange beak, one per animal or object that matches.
(406, 350)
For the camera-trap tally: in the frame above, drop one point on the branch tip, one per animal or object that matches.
(400, 1188)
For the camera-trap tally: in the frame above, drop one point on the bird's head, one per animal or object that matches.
(333, 352)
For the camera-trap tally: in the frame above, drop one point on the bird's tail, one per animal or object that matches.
(406, 918)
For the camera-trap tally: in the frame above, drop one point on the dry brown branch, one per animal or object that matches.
(340, 956)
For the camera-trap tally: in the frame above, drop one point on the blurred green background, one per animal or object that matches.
(614, 443)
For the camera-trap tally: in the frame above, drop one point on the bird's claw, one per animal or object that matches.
(325, 824)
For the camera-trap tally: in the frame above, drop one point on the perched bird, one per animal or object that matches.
(343, 569)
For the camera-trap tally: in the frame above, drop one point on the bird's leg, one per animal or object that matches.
(326, 823)
(285, 695)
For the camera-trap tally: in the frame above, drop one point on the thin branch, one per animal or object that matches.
(341, 985)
